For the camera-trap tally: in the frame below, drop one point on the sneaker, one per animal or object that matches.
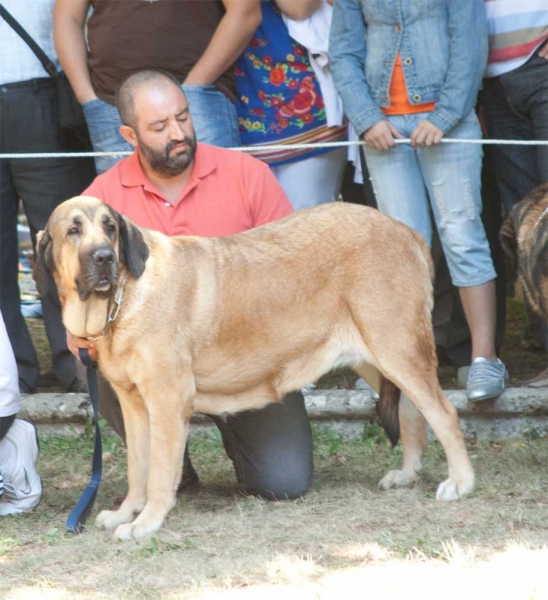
(22, 484)
(486, 379)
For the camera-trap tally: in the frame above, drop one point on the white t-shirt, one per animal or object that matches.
(9, 382)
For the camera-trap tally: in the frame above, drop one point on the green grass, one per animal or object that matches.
(344, 539)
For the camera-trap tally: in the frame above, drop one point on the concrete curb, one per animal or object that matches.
(517, 412)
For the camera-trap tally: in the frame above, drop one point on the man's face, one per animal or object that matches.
(164, 131)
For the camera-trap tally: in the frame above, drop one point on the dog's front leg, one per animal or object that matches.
(138, 443)
(169, 413)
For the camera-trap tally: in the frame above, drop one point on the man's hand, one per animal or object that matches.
(426, 134)
(381, 136)
(74, 343)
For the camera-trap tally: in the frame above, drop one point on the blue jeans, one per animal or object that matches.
(515, 106)
(444, 179)
(213, 115)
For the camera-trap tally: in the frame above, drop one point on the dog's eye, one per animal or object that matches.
(73, 231)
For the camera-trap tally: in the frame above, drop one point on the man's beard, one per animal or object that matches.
(163, 162)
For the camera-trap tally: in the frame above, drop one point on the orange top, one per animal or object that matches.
(399, 102)
(228, 192)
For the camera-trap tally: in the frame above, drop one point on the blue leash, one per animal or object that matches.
(80, 513)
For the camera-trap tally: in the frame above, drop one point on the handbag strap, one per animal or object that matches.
(47, 63)
(80, 513)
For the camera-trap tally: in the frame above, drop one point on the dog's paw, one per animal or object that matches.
(450, 490)
(134, 531)
(398, 479)
(110, 519)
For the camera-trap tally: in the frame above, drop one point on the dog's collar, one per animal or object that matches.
(113, 312)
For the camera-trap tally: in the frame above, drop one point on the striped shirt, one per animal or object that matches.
(516, 29)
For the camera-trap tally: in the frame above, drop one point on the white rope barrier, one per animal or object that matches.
(280, 147)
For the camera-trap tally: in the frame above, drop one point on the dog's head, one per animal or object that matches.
(84, 247)
(526, 227)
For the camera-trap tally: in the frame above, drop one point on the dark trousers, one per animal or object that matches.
(28, 124)
(515, 107)
(271, 448)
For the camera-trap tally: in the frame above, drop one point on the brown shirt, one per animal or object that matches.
(125, 36)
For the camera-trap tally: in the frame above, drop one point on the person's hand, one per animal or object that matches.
(381, 136)
(74, 343)
(426, 134)
(543, 52)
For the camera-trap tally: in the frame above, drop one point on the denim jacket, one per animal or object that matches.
(443, 47)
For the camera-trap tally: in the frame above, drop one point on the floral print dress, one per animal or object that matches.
(279, 100)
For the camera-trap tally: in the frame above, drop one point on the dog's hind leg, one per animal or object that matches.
(422, 388)
(412, 426)
(413, 368)
(137, 440)
(169, 408)
(413, 435)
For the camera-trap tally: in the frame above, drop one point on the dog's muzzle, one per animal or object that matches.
(99, 272)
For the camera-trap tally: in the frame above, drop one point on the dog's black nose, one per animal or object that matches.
(103, 256)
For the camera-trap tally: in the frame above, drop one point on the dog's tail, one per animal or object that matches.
(387, 409)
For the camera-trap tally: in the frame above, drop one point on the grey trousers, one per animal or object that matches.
(271, 448)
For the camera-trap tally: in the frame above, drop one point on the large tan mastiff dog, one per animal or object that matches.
(219, 325)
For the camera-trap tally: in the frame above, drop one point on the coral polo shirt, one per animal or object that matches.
(228, 192)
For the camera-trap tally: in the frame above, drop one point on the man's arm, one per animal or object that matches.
(236, 28)
(69, 18)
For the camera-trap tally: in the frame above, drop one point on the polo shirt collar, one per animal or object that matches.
(132, 174)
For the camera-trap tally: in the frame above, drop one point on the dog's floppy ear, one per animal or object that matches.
(43, 265)
(133, 248)
(508, 240)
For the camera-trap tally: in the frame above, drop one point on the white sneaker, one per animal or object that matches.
(22, 484)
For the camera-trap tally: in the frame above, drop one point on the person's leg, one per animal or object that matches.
(271, 449)
(458, 340)
(10, 302)
(5, 424)
(515, 106)
(213, 116)
(452, 173)
(312, 181)
(368, 192)
(43, 184)
(103, 121)
(9, 387)
(398, 183)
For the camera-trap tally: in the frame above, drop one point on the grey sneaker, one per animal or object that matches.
(22, 484)
(486, 379)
